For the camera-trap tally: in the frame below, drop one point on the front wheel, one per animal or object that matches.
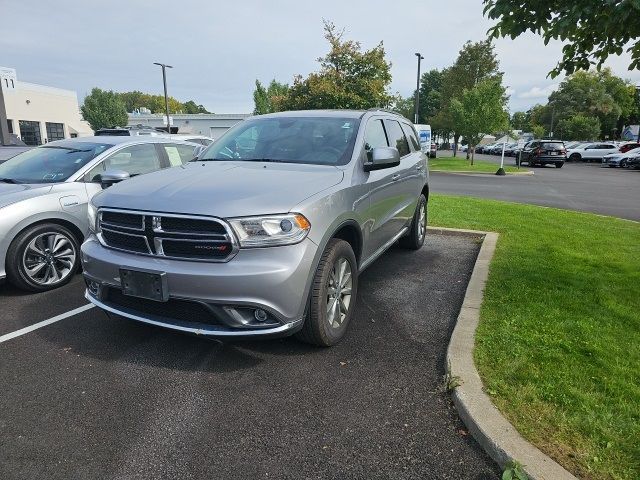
(42, 258)
(333, 296)
(418, 231)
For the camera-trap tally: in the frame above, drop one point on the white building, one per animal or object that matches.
(39, 114)
(209, 124)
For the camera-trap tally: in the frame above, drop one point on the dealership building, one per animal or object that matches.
(209, 124)
(39, 114)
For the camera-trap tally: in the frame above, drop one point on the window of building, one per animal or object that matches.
(396, 137)
(55, 131)
(375, 136)
(30, 132)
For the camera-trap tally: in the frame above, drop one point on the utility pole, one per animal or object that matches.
(417, 101)
(4, 124)
(638, 92)
(166, 97)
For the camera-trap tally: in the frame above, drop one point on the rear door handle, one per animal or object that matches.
(395, 177)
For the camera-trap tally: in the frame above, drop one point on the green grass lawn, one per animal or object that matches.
(460, 164)
(558, 345)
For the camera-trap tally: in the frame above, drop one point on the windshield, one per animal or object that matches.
(50, 163)
(310, 140)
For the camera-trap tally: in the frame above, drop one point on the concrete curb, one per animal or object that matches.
(487, 425)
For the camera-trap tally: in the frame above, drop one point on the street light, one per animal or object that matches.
(166, 98)
(638, 92)
(420, 57)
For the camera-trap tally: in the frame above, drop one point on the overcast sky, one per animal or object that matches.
(218, 49)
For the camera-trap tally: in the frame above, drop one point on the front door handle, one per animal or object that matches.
(395, 177)
(419, 167)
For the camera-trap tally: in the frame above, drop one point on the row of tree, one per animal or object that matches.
(106, 108)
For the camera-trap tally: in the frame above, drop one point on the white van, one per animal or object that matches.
(424, 133)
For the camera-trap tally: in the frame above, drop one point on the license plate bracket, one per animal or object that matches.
(148, 284)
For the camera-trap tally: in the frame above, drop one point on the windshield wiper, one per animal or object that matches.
(8, 180)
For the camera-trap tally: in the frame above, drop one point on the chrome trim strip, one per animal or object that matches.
(382, 249)
(209, 332)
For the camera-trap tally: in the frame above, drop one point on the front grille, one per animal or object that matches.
(125, 241)
(192, 225)
(166, 235)
(202, 249)
(174, 309)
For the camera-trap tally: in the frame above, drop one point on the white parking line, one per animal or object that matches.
(44, 323)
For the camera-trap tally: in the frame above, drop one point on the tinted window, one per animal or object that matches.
(311, 140)
(396, 137)
(410, 133)
(375, 136)
(179, 154)
(136, 159)
(51, 163)
(555, 145)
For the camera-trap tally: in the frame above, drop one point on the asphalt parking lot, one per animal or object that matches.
(92, 397)
(580, 186)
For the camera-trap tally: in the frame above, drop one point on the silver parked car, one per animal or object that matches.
(264, 234)
(44, 194)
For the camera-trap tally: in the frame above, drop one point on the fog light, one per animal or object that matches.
(260, 315)
(93, 287)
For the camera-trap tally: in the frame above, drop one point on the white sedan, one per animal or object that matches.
(591, 151)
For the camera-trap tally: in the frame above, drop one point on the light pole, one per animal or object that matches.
(415, 119)
(166, 98)
(638, 92)
(4, 125)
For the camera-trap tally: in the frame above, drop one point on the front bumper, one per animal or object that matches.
(275, 280)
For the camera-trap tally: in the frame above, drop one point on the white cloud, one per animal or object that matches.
(541, 93)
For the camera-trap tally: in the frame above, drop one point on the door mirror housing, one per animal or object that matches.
(110, 177)
(383, 157)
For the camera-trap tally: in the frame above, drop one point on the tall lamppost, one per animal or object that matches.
(166, 98)
(415, 119)
(638, 91)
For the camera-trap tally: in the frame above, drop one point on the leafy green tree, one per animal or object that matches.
(270, 99)
(479, 110)
(430, 95)
(476, 62)
(404, 106)
(579, 127)
(191, 107)
(520, 121)
(538, 131)
(103, 109)
(136, 99)
(591, 30)
(348, 78)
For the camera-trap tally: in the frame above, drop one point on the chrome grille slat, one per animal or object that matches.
(206, 239)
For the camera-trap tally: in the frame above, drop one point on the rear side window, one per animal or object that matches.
(374, 137)
(410, 133)
(396, 137)
(136, 159)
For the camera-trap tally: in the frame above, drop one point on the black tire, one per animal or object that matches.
(317, 329)
(623, 163)
(415, 238)
(16, 270)
(574, 157)
(559, 164)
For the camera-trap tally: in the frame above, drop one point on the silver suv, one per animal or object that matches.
(265, 233)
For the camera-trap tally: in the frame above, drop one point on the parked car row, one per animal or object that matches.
(262, 234)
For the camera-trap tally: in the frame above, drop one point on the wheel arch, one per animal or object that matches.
(350, 232)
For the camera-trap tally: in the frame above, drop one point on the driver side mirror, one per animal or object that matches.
(383, 157)
(110, 177)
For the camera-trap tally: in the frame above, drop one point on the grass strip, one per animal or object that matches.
(558, 345)
(460, 164)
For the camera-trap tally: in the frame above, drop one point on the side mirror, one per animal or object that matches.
(198, 151)
(383, 157)
(110, 177)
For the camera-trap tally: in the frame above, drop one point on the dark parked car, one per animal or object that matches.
(543, 152)
(634, 162)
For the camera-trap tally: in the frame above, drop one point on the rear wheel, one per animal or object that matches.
(415, 238)
(43, 257)
(574, 157)
(332, 297)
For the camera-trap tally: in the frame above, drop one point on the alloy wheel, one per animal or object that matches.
(422, 223)
(339, 285)
(49, 258)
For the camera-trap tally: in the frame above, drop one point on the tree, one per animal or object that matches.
(135, 100)
(103, 109)
(404, 106)
(480, 109)
(520, 121)
(348, 77)
(476, 62)
(538, 131)
(591, 30)
(579, 127)
(430, 95)
(191, 107)
(270, 99)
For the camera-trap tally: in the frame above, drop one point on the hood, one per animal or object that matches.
(12, 193)
(222, 189)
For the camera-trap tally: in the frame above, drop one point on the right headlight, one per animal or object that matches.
(270, 230)
(92, 214)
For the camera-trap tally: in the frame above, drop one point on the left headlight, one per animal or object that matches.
(92, 214)
(270, 230)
